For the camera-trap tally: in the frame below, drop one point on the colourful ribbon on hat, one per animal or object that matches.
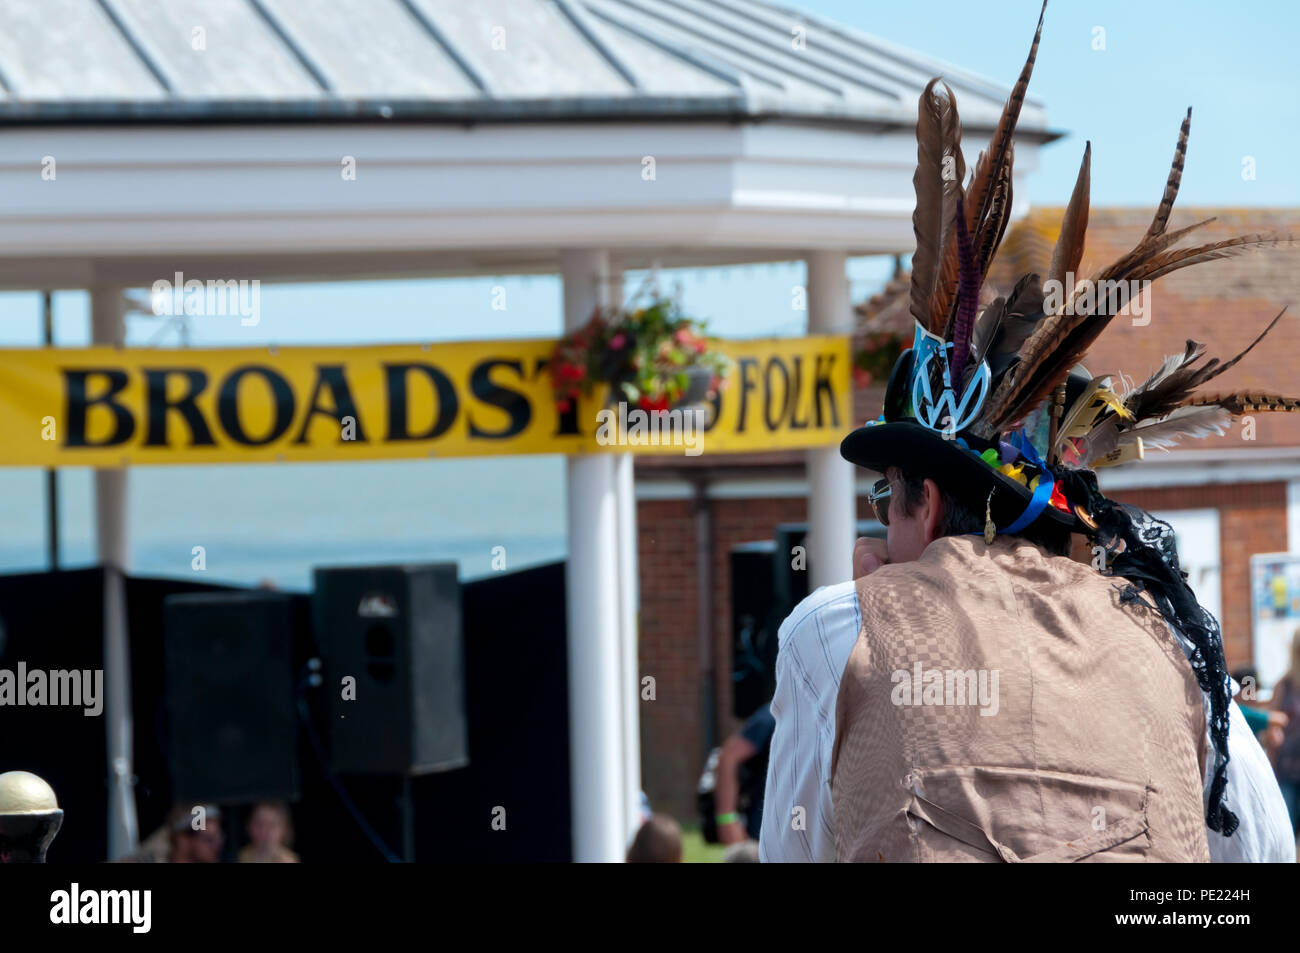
(1042, 493)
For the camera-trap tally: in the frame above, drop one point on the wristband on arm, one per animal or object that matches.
(728, 818)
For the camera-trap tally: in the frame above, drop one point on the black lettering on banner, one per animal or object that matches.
(568, 422)
(228, 405)
(796, 391)
(78, 404)
(769, 391)
(823, 386)
(395, 377)
(158, 406)
(332, 377)
(747, 364)
(711, 420)
(514, 403)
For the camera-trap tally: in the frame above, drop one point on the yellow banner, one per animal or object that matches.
(104, 407)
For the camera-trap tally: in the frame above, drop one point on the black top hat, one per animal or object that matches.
(1001, 478)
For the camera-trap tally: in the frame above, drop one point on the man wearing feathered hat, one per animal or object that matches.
(978, 695)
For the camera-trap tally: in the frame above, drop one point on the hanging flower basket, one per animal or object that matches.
(875, 356)
(654, 358)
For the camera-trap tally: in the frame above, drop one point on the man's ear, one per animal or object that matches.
(932, 517)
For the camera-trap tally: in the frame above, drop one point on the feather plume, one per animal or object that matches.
(1069, 247)
(1199, 421)
(988, 196)
(988, 327)
(1161, 392)
(1062, 338)
(989, 169)
(967, 302)
(1247, 402)
(1161, 219)
(1176, 258)
(1098, 442)
(1156, 238)
(1172, 384)
(1095, 401)
(940, 170)
(1001, 332)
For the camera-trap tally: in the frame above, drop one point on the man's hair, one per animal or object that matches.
(960, 520)
(659, 841)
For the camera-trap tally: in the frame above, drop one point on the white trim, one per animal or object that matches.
(128, 204)
(1197, 531)
(1202, 467)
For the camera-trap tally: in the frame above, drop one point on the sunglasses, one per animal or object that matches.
(878, 497)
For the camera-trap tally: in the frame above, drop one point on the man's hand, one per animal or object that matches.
(869, 554)
(732, 833)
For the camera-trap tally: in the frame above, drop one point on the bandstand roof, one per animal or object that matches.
(485, 135)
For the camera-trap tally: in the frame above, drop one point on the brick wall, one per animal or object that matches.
(1252, 519)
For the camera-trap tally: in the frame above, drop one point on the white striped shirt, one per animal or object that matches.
(814, 644)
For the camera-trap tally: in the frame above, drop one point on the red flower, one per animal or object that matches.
(562, 406)
(861, 378)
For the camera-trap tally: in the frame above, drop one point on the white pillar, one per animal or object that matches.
(629, 631)
(832, 501)
(107, 326)
(629, 596)
(592, 592)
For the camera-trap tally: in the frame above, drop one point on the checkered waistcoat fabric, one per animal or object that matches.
(1001, 704)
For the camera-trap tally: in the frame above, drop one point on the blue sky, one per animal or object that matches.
(1233, 63)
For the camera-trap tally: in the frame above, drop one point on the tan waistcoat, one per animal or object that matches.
(1001, 704)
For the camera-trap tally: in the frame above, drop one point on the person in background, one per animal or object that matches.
(747, 748)
(178, 841)
(746, 852)
(195, 846)
(1266, 724)
(271, 831)
(659, 841)
(1286, 762)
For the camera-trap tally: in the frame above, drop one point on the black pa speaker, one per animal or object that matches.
(396, 632)
(232, 717)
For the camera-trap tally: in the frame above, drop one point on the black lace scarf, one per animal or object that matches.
(1148, 559)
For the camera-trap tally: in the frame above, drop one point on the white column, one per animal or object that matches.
(832, 502)
(629, 631)
(107, 326)
(592, 590)
(629, 597)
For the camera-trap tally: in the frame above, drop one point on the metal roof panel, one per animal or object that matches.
(217, 49)
(69, 49)
(373, 48)
(105, 61)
